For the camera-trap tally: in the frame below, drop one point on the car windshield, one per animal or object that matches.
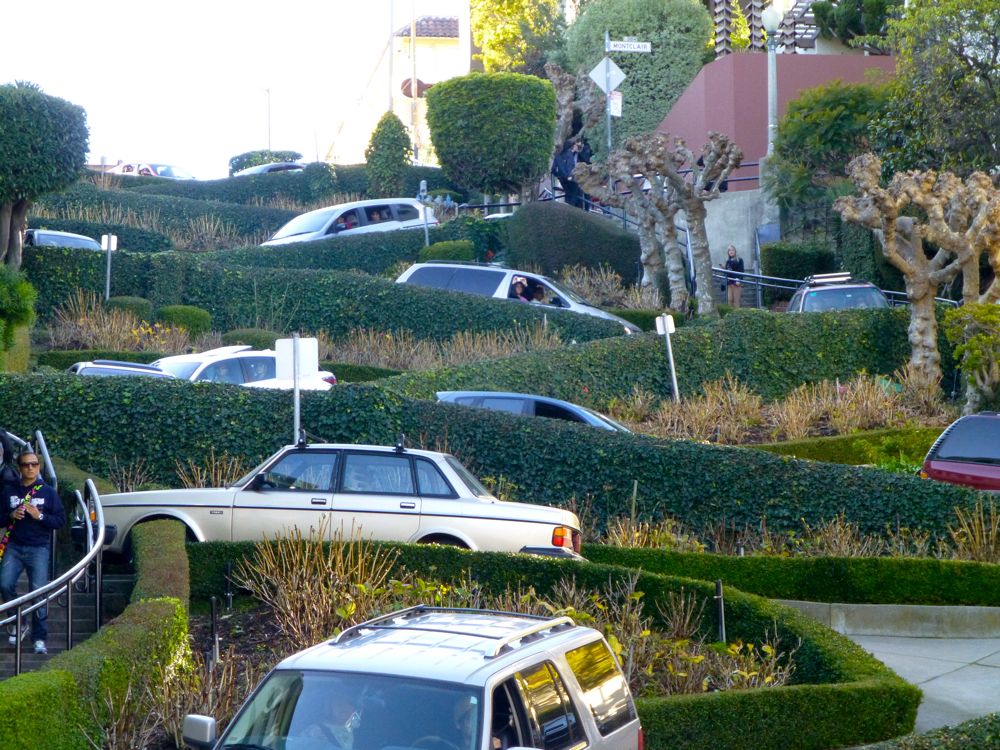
(165, 170)
(182, 369)
(470, 481)
(975, 439)
(314, 221)
(843, 298)
(566, 293)
(607, 420)
(314, 710)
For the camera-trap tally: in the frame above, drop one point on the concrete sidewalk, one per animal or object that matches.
(951, 653)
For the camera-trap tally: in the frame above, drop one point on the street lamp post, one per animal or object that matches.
(771, 19)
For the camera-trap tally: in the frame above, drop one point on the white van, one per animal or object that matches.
(359, 217)
(502, 283)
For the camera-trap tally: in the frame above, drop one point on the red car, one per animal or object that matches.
(968, 452)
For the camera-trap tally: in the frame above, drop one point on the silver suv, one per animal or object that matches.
(439, 679)
(836, 291)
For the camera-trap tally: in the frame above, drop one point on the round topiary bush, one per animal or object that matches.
(449, 250)
(141, 307)
(193, 319)
(258, 338)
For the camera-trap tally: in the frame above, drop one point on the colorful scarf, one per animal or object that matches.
(6, 535)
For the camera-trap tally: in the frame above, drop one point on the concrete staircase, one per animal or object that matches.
(117, 589)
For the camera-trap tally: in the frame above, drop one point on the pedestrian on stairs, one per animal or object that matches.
(33, 512)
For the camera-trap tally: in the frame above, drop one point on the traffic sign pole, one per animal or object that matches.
(607, 97)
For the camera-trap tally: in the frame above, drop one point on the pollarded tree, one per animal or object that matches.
(679, 32)
(493, 131)
(958, 219)
(387, 157)
(516, 36)
(43, 148)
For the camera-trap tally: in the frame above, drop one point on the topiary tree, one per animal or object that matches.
(493, 131)
(387, 157)
(43, 148)
(264, 156)
(679, 31)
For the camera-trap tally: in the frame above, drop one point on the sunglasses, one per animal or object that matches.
(24, 464)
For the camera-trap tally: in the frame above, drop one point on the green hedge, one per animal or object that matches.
(869, 447)
(129, 238)
(855, 580)
(549, 235)
(980, 733)
(42, 710)
(841, 696)
(312, 301)
(161, 566)
(97, 421)
(770, 353)
(351, 373)
(795, 260)
(194, 320)
(61, 360)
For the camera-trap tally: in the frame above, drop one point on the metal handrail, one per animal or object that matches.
(28, 603)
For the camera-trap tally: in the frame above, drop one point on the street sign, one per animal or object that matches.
(606, 73)
(627, 45)
(616, 103)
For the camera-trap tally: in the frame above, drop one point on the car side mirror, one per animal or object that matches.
(199, 731)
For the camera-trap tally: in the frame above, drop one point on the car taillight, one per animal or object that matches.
(924, 475)
(562, 537)
(331, 379)
(642, 740)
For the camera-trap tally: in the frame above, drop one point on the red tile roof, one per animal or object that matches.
(441, 27)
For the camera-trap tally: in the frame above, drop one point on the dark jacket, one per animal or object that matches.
(28, 532)
(734, 264)
(564, 163)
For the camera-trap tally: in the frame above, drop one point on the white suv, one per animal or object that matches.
(359, 217)
(240, 365)
(440, 679)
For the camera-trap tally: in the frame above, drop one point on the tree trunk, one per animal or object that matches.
(5, 213)
(651, 256)
(695, 212)
(18, 223)
(925, 359)
(676, 276)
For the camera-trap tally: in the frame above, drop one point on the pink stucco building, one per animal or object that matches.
(729, 95)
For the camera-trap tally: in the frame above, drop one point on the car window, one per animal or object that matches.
(377, 472)
(378, 214)
(817, 300)
(554, 721)
(512, 405)
(474, 486)
(430, 480)
(605, 691)
(225, 371)
(481, 281)
(310, 471)
(183, 369)
(552, 411)
(306, 223)
(406, 212)
(347, 220)
(795, 302)
(433, 276)
(972, 439)
(258, 368)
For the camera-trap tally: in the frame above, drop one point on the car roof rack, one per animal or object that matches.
(817, 279)
(397, 621)
(123, 363)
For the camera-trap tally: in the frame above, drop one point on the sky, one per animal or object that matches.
(194, 83)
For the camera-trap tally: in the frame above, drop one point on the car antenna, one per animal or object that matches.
(401, 443)
(302, 438)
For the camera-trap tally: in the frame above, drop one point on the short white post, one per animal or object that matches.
(665, 326)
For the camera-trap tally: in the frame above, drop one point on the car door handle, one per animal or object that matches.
(408, 506)
(318, 501)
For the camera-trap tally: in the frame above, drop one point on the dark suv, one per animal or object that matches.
(967, 452)
(836, 291)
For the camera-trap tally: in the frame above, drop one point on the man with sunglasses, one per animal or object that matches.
(31, 512)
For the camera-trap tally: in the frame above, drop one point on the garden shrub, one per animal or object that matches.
(351, 373)
(794, 260)
(388, 155)
(42, 710)
(448, 250)
(194, 320)
(981, 732)
(843, 694)
(17, 304)
(256, 158)
(645, 319)
(550, 235)
(101, 421)
(258, 338)
(160, 562)
(140, 307)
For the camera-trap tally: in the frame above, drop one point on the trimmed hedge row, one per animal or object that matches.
(77, 686)
(101, 420)
(840, 696)
(129, 238)
(61, 360)
(910, 444)
(174, 213)
(770, 353)
(302, 300)
(979, 733)
(855, 580)
(795, 260)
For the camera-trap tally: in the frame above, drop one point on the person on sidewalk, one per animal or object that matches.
(734, 284)
(33, 512)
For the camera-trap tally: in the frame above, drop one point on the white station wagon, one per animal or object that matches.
(377, 492)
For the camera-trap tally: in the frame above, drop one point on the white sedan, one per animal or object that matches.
(377, 492)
